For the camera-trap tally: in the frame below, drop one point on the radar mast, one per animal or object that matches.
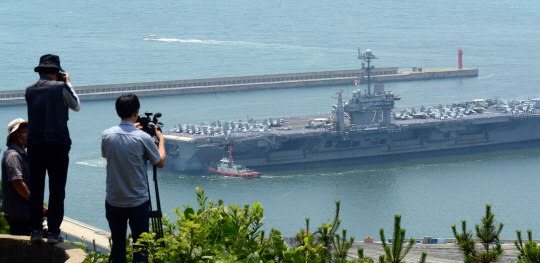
(368, 56)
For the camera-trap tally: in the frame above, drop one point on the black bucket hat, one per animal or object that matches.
(49, 61)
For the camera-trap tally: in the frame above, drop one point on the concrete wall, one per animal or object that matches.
(20, 249)
(428, 74)
(76, 231)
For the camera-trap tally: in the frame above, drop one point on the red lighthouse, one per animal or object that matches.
(460, 59)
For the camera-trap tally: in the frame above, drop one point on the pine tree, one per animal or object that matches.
(341, 246)
(528, 252)
(487, 235)
(361, 258)
(327, 232)
(395, 253)
(335, 246)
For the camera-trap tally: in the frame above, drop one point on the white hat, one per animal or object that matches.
(13, 126)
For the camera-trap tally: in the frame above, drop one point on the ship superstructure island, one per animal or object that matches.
(367, 125)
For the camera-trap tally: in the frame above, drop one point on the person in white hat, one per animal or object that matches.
(15, 180)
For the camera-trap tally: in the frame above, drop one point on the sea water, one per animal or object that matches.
(101, 42)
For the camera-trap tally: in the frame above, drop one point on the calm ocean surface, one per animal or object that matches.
(101, 42)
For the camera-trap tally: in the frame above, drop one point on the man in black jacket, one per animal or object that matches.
(49, 143)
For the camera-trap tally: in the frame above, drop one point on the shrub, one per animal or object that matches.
(4, 226)
(528, 252)
(219, 233)
(225, 234)
(92, 256)
(216, 232)
(488, 237)
(330, 246)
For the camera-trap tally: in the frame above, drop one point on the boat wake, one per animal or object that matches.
(285, 195)
(101, 162)
(486, 77)
(237, 43)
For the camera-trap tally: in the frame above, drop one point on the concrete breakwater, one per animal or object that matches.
(76, 231)
(247, 83)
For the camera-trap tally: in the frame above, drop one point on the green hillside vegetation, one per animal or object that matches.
(217, 233)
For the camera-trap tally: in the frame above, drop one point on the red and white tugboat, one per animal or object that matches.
(227, 168)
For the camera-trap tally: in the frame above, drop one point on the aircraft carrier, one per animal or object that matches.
(367, 125)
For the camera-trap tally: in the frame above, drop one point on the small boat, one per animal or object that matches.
(226, 167)
(151, 37)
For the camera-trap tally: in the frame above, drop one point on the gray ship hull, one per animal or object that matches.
(307, 146)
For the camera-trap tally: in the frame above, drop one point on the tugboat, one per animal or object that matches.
(227, 168)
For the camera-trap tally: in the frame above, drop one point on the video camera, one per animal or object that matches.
(148, 122)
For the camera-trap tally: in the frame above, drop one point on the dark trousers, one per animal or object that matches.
(51, 158)
(18, 227)
(139, 222)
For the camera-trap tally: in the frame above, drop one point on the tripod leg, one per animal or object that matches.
(157, 215)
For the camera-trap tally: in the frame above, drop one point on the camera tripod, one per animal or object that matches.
(156, 215)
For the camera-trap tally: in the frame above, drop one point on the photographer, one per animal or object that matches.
(49, 101)
(127, 149)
